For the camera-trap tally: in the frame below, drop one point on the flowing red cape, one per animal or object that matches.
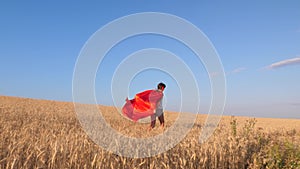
(143, 105)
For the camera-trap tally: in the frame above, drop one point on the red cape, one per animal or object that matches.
(143, 104)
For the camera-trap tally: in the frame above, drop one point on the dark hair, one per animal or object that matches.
(161, 85)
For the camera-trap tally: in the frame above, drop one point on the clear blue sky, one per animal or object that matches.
(258, 43)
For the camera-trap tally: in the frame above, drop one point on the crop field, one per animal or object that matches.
(47, 134)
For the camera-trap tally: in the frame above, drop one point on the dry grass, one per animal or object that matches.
(47, 134)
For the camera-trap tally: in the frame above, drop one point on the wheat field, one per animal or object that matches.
(47, 134)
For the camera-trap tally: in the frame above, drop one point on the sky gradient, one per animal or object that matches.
(257, 42)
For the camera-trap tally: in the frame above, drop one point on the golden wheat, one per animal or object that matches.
(47, 134)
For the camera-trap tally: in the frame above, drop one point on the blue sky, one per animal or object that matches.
(257, 42)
